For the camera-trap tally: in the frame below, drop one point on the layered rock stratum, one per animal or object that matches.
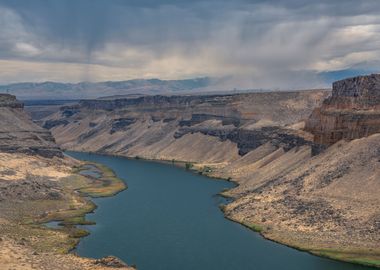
(156, 126)
(352, 112)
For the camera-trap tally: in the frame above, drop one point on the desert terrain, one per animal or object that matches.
(306, 162)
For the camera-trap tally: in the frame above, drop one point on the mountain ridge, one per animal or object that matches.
(59, 90)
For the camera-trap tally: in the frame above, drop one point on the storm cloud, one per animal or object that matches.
(259, 44)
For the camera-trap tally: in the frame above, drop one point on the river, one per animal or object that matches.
(169, 219)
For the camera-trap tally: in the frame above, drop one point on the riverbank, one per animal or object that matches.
(90, 180)
(319, 198)
(55, 192)
(143, 226)
(358, 256)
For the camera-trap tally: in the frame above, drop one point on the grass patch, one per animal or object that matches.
(365, 261)
(256, 227)
(78, 209)
(78, 233)
(102, 183)
(76, 221)
(358, 257)
(27, 218)
(108, 184)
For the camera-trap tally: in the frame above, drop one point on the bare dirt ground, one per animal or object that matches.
(34, 190)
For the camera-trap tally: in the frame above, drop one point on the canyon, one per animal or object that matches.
(306, 165)
(306, 162)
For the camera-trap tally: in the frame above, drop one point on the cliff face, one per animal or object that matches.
(18, 134)
(352, 112)
(149, 126)
(281, 107)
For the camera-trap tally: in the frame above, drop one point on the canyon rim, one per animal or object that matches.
(306, 162)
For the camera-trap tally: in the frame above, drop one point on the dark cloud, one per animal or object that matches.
(249, 39)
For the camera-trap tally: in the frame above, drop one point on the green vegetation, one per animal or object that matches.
(256, 227)
(78, 233)
(71, 209)
(40, 238)
(189, 166)
(353, 256)
(76, 221)
(365, 261)
(108, 184)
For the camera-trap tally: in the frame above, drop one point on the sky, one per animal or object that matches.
(257, 44)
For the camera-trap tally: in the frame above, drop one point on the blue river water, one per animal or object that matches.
(169, 219)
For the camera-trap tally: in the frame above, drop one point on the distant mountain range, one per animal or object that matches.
(55, 90)
(204, 85)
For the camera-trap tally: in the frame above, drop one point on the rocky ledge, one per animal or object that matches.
(18, 134)
(352, 111)
(248, 140)
(10, 101)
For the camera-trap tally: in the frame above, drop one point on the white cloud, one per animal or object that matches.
(26, 49)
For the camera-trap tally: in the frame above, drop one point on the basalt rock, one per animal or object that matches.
(352, 111)
(10, 101)
(30, 189)
(199, 118)
(121, 124)
(155, 102)
(49, 124)
(111, 261)
(232, 109)
(248, 140)
(131, 124)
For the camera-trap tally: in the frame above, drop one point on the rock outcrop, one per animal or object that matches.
(111, 261)
(18, 134)
(10, 101)
(352, 112)
(248, 140)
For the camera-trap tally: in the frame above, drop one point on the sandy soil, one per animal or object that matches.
(16, 256)
(31, 188)
(17, 167)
